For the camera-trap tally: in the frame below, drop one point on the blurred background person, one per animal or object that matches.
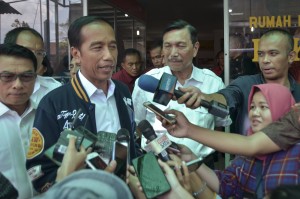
(219, 68)
(240, 63)
(73, 67)
(47, 68)
(155, 53)
(131, 68)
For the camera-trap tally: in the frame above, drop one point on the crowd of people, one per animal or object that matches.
(35, 109)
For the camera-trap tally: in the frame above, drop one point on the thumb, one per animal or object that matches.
(111, 166)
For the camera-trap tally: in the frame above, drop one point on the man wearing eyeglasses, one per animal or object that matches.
(155, 52)
(32, 40)
(17, 77)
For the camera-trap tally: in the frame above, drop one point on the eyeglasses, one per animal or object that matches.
(24, 77)
(39, 53)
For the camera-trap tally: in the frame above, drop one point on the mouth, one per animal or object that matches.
(255, 122)
(106, 68)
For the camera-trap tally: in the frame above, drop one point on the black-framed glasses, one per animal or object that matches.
(24, 77)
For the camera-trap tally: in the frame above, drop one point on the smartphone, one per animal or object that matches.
(120, 154)
(94, 161)
(174, 148)
(150, 175)
(159, 112)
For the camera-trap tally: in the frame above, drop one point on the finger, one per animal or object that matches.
(72, 141)
(111, 166)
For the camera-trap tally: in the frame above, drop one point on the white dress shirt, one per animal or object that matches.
(15, 138)
(42, 86)
(107, 116)
(203, 79)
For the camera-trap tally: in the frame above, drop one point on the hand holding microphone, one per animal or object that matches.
(164, 90)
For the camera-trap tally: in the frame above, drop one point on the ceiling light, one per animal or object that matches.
(230, 10)
(126, 15)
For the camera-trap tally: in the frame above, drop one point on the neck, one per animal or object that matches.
(183, 75)
(20, 109)
(283, 81)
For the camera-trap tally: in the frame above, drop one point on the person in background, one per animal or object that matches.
(48, 70)
(73, 67)
(180, 46)
(155, 53)
(32, 40)
(104, 104)
(219, 68)
(17, 76)
(275, 55)
(248, 175)
(295, 66)
(240, 63)
(131, 68)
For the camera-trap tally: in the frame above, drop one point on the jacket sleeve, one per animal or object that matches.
(45, 134)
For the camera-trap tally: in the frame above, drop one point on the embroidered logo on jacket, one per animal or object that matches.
(36, 144)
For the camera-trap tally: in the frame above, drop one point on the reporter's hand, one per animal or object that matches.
(111, 166)
(177, 191)
(180, 128)
(191, 98)
(134, 183)
(72, 160)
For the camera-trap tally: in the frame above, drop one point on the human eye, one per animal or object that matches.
(260, 54)
(264, 107)
(113, 46)
(26, 77)
(7, 77)
(252, 106)
(167, 46)
(273, 53)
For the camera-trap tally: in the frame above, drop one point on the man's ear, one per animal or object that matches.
(75, 52)
(196, 48)
(292, 56)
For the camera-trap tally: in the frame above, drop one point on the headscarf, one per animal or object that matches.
(279, 99)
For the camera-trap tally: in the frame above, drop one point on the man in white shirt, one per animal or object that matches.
(17, 77)
(180, 46)
(32, 40)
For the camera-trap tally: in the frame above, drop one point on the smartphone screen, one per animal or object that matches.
(150, 175)
(119, 154)
(94, 161)
(159, 112)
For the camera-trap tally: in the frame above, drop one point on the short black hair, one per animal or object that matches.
(12, 35)
(181, 24)
(74, 32)
(284, 32)
(155, 44)
(131, 51)
(16, 50)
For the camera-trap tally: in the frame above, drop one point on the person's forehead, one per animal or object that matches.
(29, 40)
(97, 31)
(131, 58)
(8, 63)
(276, 41)
(155, 51)
(177, 36)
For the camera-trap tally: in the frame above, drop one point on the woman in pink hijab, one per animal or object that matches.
(255, 177)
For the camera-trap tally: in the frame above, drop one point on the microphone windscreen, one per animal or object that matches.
(148, 83)
(123, 135)
(147, 130)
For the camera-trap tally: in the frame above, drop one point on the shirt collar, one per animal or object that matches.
(196, 74)
(91, 88)
(4, 109)
(37, 84)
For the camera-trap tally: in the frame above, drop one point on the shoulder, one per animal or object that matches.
(48, 81)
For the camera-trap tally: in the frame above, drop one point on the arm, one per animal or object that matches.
(256, 144)
(194, 95)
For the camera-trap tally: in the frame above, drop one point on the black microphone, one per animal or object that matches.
(123, 135)
(147, 130)
(164, 89)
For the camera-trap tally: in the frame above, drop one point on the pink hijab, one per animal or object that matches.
(279, 99)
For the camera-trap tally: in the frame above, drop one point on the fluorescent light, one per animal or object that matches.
(126, 15)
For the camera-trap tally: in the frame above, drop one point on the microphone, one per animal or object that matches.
(164, 89)
(147, 130)
(123, 135)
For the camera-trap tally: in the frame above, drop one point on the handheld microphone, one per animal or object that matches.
(153, 85)
(147, 130)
